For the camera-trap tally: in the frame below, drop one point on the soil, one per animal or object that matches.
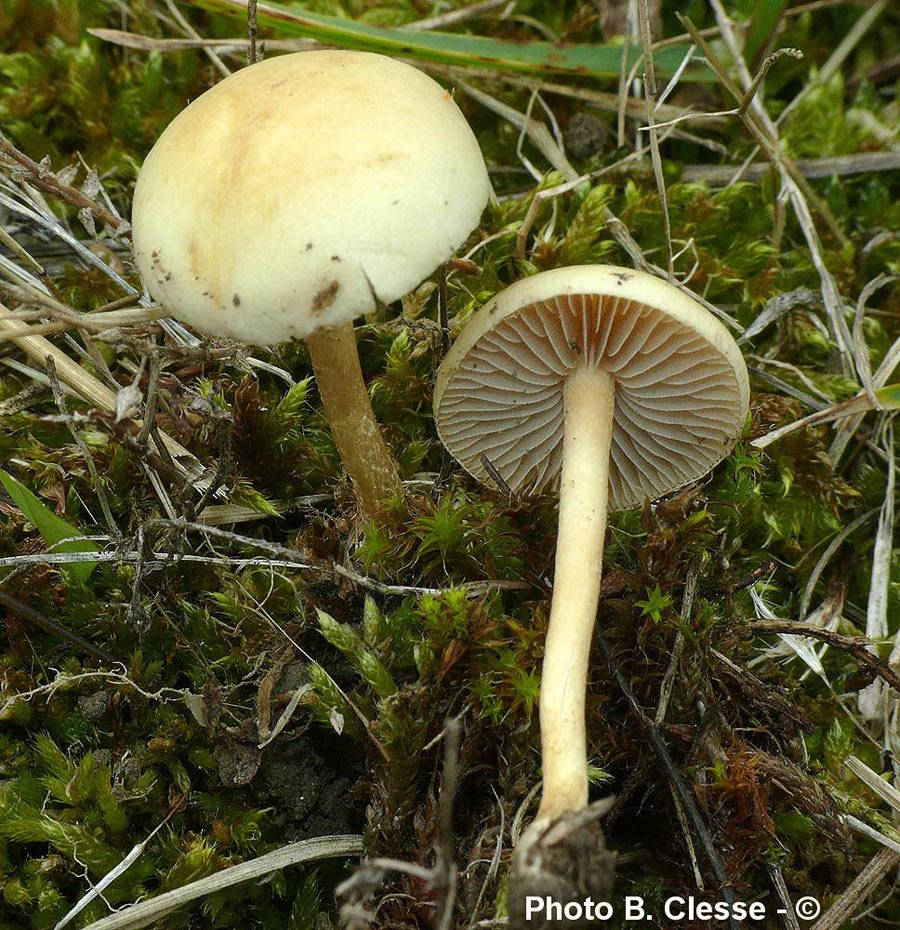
(310, 789)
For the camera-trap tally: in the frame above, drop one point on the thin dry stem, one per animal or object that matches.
(455, 17)
(857, 646)
(189, 30)
(93, 391)
(536, 131)
(650, 93)
(884, 861)
(757, 121)
(153, 909)
(41, 177)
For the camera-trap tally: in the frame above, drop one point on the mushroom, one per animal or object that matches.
(615, 387)
(292, 197)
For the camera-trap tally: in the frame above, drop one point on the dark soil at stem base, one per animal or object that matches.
(311, 793)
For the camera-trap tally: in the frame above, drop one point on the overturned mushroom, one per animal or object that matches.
(291, 197)
(615, 387)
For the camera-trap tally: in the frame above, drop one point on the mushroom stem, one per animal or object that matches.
(589, 399)
(359, 442)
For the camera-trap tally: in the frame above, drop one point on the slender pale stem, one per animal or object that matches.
(356, 434)
(583, 492)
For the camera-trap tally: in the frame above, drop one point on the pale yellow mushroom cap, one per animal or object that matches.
(681, 387)
(292, 194)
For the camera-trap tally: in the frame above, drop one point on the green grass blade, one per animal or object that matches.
(889, 396)
(537, 58)
(51, 527)
(766, 16)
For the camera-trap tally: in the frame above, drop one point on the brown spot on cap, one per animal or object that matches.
(326, 297)
(236, 300)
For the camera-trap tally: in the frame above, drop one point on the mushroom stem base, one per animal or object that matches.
(562, 860)
(359, 442)
(583, 493)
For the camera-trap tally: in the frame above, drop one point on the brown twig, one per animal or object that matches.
(498, 479)
(443, 315)
(137, 617)
(857, 646)
(41, 177)
(51, 626)
(445, 872)
(96, 393)
(293, 557)
(253, 55)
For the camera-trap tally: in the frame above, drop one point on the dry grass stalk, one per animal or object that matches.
(142, 43)
(455, 17)
(827, 555)
(840, 165)
(536, 131)
(650, 94)
(836, 59)
(863, 829)
(781, 889)
(632, 107)
(153, 909)
(794, 186)
(871, 699)
(848, 428)
(41, 177)
(90, 389)
(192, 33)
(874, 782)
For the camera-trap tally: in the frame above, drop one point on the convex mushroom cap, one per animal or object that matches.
(295, 192)
(289, 198)
(680, 383)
